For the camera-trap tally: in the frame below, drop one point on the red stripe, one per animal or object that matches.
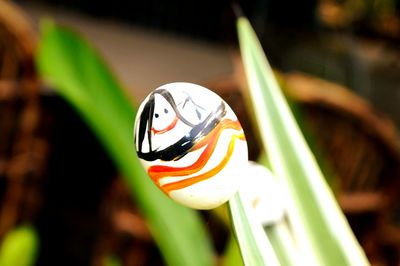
(169, 127)
(195, 179)
(157, 172)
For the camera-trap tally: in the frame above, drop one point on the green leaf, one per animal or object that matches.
(283, 243)
(232, 256)
(254, 245)
(111, 260)
(279, 234)
(321, 230)
(19, 247)
(78, 73)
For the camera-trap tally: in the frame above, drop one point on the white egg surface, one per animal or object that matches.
(191, 144)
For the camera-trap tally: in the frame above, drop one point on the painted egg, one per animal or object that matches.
(191, 144)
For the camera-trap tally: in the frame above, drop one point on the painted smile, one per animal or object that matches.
(167, 128)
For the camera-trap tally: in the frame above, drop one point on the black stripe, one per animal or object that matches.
(183, 145)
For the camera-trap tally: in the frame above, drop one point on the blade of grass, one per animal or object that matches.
(254, 245)
(321, 230)
(73, 67)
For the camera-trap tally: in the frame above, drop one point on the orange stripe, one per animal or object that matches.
(192, 180)
(159, 171)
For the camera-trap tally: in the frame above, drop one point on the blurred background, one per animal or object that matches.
(338, 62)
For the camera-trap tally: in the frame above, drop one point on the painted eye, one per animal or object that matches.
(203, 151)
(165, 117)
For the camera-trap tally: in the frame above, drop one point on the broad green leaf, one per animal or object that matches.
(19, 247)
(232, 256)
(321, 229)
(78, 73)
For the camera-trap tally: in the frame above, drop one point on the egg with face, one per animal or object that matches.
(191, 144)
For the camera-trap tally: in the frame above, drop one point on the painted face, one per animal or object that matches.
(191, 144)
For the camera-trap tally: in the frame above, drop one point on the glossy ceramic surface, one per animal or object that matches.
(191, 144)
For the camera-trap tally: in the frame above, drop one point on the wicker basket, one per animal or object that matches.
(362, 147)
(22, 150)
(36, 187)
